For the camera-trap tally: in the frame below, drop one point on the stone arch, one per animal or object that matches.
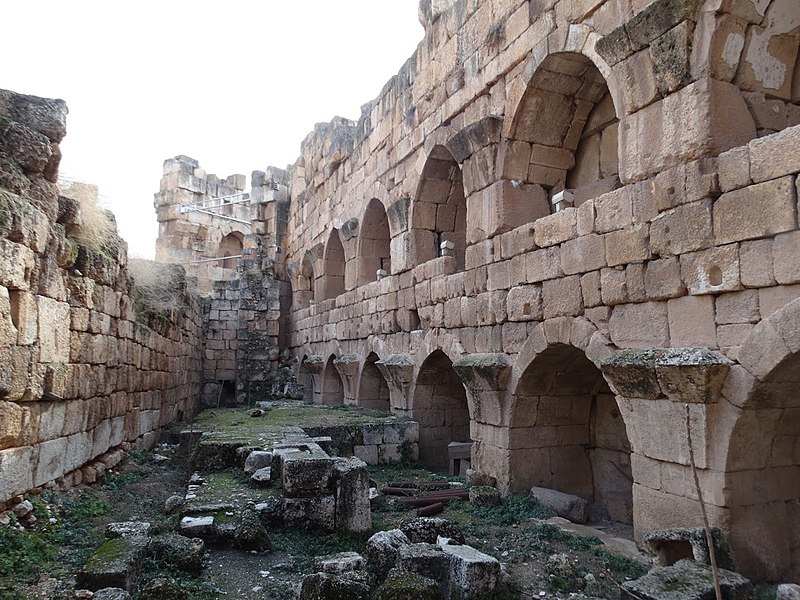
(332, 393)
(567, 433)
(439, 210)
(374, 243)
(373, 391)
(331, 282)
(564, 131)
(762, 468)
(231, 245)
(440, 407)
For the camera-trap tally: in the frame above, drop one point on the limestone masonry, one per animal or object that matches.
(564, 235)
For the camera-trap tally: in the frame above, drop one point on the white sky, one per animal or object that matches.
(235, 84)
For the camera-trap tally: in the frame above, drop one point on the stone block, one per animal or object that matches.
(301, 474)
(704, 118)
(341, 562)
(556, 228)
(755, 259)
(786, 258)
(562, 297)
(590, 289)
(683, 229)
(582, 254)
(316, 513)
(382, 549)
(257, 459)
(323, 586)
(473, 574)
(734, 169)
(696, 580)
(640, 325)
(738, 307)
(352, 495)
(369, 454)
(757, 211)
(637, 78)
(544, 264)
(662, 279)
(426, 560)
(775, 155)
(54, 333)
(613, 287)
(711, 271)
(114, 564)
(670, 54)
(626, 246)
(691, 322)
(613, 210)
(571, 507)
(524, 303)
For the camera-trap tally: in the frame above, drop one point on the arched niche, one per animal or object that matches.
(231, 245)
(331, 282)
(374, 243)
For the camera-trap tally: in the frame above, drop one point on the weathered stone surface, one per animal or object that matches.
(688, 580)
(127, 529)
(111, 594)
(401, 585)
(258, 459)
(114, 564)
(382, 550)
(669, 545)
(326, 586)
(353, 511)
(341, 562)
(162, 589)
(429, 529)
(426, 560)
(184, 553)
(473, 574)
(570, 507)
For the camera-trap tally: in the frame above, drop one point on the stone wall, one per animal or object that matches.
(88, 368)
(559, 183)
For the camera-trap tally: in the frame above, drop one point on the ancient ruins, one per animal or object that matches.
(563, 239)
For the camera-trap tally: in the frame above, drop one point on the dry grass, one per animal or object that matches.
(96, 224)
(158, 289)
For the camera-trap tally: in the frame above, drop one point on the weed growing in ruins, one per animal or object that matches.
(157, 291)
(621, 567)
(196, 588)
(514, 509)
(305, 546)
(96, 226)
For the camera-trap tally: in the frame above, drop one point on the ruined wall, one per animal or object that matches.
(88, 369)
(213, 226)
(562, 182)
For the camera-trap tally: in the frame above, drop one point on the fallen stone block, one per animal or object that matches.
(402, 586)
(671, 545)
(200, 527)
(341, 562)
(181, 552)
(262, 477)
(114, 564)
(687, 580)
(570, 507)
(317, 513)
(426, 560)
(325, 586)
(250, 533)
(257, 459)
(473, 574)
(430, 529)
(127, 529)
(306, 475)
(382, 551)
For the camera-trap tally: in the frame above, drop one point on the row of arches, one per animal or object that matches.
(566, 431)
(555, 422)
(563, 135)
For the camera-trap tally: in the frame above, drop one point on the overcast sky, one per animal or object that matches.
(235, 84)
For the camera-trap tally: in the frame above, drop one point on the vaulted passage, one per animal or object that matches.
(332, 387)
(567, 124)
(440, 209)
(373, 243)
(331, 283)
(373, 392)
(568, 434)
(440, 407)
(764, 478)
